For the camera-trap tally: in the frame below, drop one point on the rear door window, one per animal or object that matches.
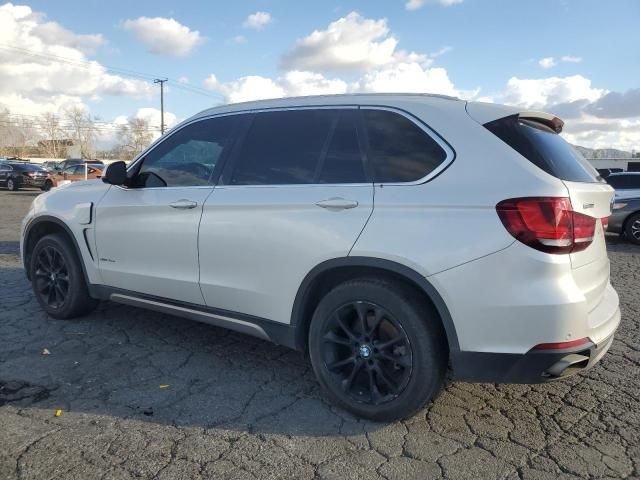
(398, 149)
(544, 148)
(304, 146)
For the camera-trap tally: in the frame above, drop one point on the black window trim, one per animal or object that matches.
(223, 171)
(435, 136)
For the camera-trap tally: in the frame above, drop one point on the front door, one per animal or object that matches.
(147, 232)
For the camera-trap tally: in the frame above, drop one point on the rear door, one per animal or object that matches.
(297, 194)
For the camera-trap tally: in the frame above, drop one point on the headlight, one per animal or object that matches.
(618, 206)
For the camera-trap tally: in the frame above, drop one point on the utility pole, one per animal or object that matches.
(161, 82)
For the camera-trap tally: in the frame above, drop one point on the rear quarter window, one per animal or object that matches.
(398, 149)
(544, 148)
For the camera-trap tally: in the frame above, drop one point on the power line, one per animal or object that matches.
(120, 71)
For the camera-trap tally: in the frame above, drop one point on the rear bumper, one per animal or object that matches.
(535, 366)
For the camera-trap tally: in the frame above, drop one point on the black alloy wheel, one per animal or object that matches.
(378, 348)
(57, 278)
(51, 277)
(368, 352)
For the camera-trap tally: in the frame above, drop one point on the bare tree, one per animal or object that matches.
(18, 135)
(82, 130)
(135, 136)
(52, 143)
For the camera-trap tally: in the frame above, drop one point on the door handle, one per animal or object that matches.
(337, 203)
(183, 204)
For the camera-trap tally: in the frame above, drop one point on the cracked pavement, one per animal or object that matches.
(232, 406)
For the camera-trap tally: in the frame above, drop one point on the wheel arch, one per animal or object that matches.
(331, 272)
(46, 225)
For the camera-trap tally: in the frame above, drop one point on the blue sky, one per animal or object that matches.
(472, 48)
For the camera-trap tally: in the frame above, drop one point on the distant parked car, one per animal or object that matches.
(51, 165)
(77, 173)
(64, 164)
(625, 219)
(15, 175)
(626, 184)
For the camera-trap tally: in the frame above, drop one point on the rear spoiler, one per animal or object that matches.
(488, 112)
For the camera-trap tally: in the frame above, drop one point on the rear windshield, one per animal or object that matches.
(544, 148)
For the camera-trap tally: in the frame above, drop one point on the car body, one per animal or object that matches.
(625, 219)
(626, 184)
(16, 175)
(370, 230)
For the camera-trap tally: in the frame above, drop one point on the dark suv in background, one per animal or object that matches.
(15, 175)
(625, 218)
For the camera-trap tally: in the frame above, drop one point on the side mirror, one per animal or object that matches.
(115, 173)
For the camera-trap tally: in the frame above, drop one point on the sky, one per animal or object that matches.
(579, 59)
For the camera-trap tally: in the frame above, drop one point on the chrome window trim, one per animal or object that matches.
(450, 153)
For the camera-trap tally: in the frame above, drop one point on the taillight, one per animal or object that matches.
(548, 224)
(605, 223)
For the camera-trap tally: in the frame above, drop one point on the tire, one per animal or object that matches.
(12, 185)
(58, 280)
(632, 228)
(47, 186)
(403, 350)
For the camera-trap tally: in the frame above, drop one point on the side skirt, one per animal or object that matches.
(278, 333)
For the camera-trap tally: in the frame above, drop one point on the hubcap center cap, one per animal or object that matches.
(364, 351)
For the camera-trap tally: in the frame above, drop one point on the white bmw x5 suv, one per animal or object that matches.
(390, 236)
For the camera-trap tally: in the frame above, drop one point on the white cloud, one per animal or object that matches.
(416, 4)
(350, 43)
(252, 87)
(407, 77)
(239, 40)
(546, 92)
(54, 33)
(547, 62)
(257, 21)
(550, 62)
(404, 77)
(571, 59)
(164, 36)
(35, 80)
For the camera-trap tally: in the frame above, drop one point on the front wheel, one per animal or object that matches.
(377, 349)
(47, 186)
(57, 279)
(632, 228)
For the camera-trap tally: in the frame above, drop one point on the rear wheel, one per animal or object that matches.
(47, 186)
(376, 349)
(12, 185)
(57, 279)
(632, 228)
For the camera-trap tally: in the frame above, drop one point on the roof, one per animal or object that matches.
(325, 100)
